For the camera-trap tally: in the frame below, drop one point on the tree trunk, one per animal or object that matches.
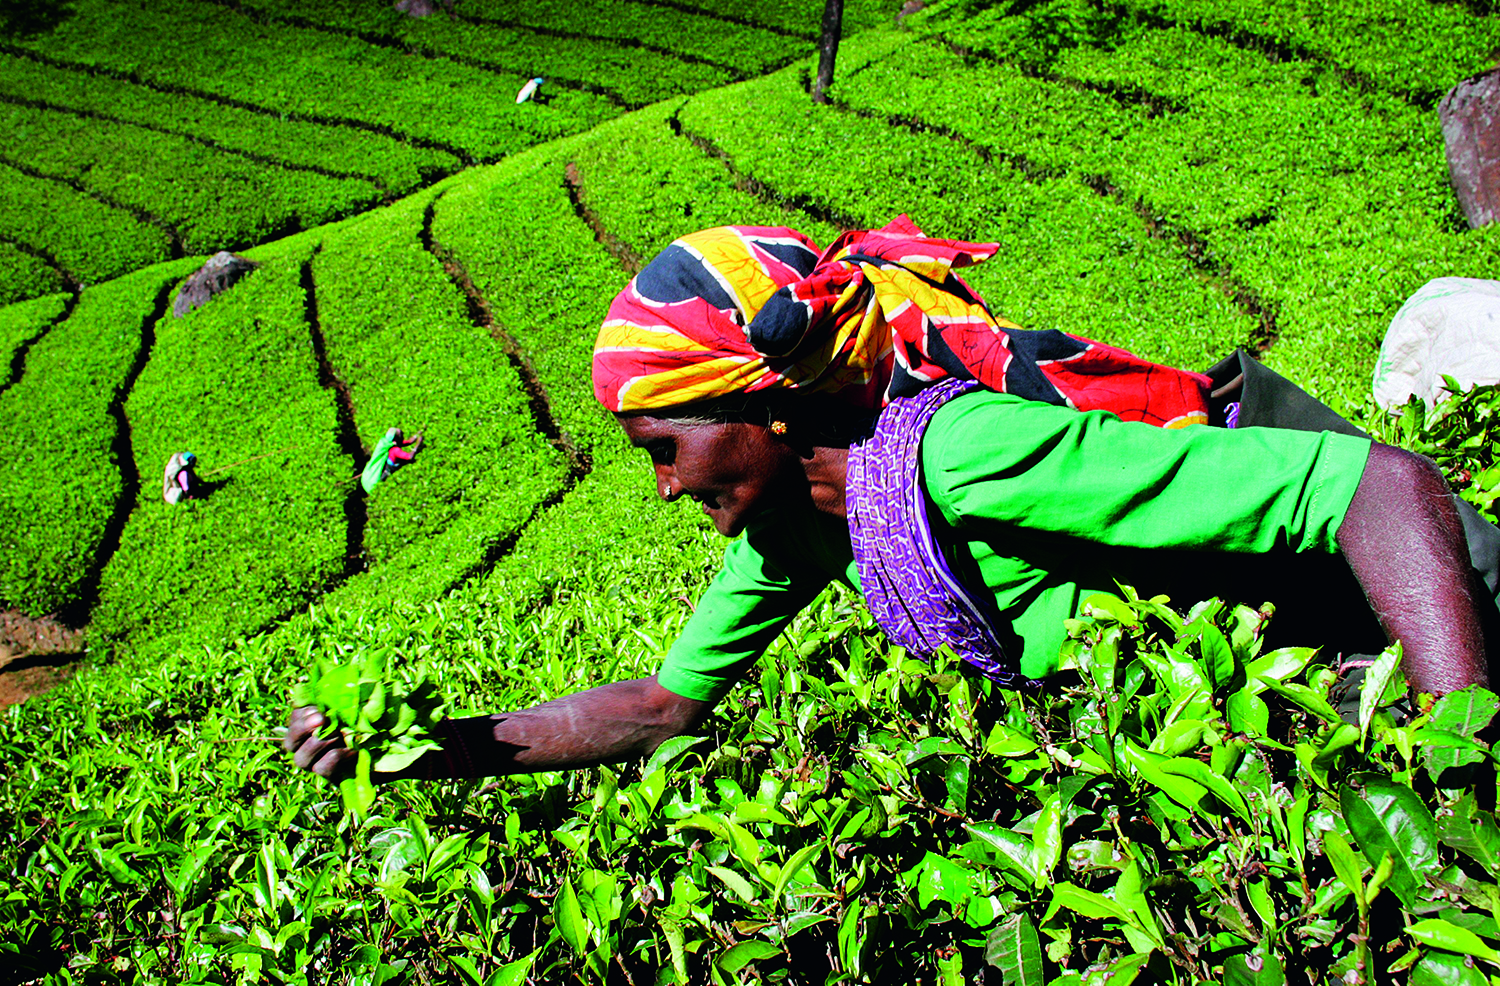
(828, 48)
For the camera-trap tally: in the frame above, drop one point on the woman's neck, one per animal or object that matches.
(825, 478)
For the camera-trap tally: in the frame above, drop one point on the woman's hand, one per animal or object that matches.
(328, 758)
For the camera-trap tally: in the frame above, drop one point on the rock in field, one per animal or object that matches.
(1470, 116)
(221, 273)
(422, 8)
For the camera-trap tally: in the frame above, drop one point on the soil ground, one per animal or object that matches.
(35, 655)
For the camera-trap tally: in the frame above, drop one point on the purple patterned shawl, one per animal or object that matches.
(906, 582)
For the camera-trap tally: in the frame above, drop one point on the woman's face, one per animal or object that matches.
(735, 470)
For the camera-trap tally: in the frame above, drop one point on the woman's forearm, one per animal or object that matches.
(619, 721)
(1404, 541)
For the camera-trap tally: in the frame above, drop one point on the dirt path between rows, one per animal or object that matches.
(35, 655)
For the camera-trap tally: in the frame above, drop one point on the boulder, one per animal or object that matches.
(221, 273)
(1470, 116)
(422, 8)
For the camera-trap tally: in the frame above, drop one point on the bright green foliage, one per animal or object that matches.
(270, 532)
(1190, 810)
(398, 334)
(211, 200)
(796, 16)
(89, 240)
(23, 275)
(547, 280)
(295, 144)
(1418, 48)
(210, 48)
(743, 49)
(387, 725)
(59, 482)
(643, 178)
(27, 321)
(1262, 205)
(1459, 433)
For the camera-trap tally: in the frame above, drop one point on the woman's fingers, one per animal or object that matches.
(328, 758)
(302, 725)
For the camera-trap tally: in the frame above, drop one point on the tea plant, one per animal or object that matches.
(1458, 432)
(387, 725)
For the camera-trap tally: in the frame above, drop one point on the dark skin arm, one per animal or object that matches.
(1404, 541)
(624, 720)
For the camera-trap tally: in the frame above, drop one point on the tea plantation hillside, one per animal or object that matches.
(1180, 177)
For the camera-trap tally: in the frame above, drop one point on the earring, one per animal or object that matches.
(778, 427)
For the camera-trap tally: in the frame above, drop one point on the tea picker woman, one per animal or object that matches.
(179, 481)
(388, 455)
(858, 414)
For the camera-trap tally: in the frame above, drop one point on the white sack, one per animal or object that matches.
(1451, 325)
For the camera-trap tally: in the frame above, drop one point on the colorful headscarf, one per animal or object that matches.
(879, 314)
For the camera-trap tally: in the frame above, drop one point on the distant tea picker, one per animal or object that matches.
(179, 481)
(858, 414)
(388, 455)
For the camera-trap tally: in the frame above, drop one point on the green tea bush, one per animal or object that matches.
(589, 58)
(90, 241)
(398, 333)
(1190, 808)
(1241, 194)
(742, 49)
(650, 185)
(795, 16)
(547, 280)
(212, 200)
(61, 482)
(21, 323)
(1421, 49)
(212, 49)
(270, 533)
(24, 275)
(396, 167)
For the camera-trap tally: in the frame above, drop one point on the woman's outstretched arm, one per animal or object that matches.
(611, 723)
(1405, 543)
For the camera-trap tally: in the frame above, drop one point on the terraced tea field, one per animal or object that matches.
(1180, 177)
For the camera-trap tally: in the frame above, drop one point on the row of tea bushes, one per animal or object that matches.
(399, 334)
(1417, 49)
(849, 815)
(647, 184)
(1265, 204)
(395, 167)
(325, 76)
(24, 274)
(87, 240)
(62, 485)
(208, 199)
(235, 382)
(574, 52)
(794, 16)
(27, 321)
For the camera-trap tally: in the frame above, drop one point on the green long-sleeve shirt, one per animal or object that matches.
(1043, 505)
